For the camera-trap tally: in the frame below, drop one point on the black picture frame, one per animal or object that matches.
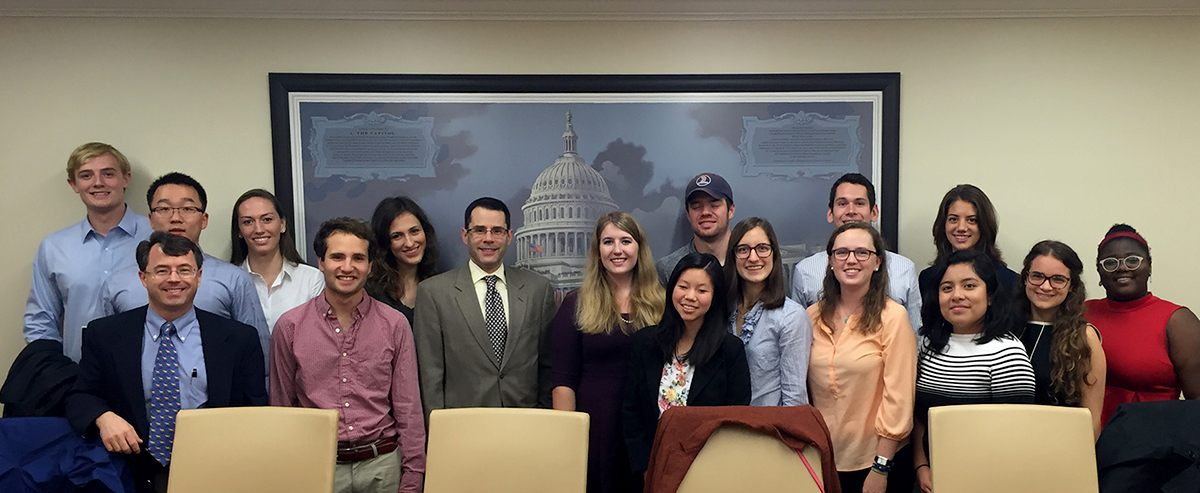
(284, 85)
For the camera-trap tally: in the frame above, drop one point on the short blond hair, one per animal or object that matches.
(92, 150)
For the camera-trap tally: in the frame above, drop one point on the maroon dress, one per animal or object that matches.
(596, 366)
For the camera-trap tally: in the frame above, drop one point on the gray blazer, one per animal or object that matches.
(456, 361)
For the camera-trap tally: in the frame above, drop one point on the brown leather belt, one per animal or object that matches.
(350, 452)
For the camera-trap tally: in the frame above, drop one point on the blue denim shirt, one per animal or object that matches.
(777, 346)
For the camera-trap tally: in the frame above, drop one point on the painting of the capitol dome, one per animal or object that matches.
(560, 215)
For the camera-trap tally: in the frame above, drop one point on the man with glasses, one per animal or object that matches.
(140, 367)
(852, 198)
(177, 206)
(72, 263)
(483, 330)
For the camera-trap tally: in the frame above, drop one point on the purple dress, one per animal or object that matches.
(596, 366)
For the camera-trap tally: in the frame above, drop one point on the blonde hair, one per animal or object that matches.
(92, 150)
(596, 310)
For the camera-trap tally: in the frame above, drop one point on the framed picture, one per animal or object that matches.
(559, 150)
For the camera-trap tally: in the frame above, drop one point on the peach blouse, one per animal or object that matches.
(863, 384)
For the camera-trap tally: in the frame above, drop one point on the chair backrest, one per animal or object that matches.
(986, 448)
(254, 449)
(503, 450)
(737, 458)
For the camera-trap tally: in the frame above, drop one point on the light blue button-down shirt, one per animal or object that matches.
(68, 275)
(809, 274)
(193, 390)
(777, 345)
(225, 289)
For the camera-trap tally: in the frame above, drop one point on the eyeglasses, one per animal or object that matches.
(480, 231)
(184, 212)
(1036, 279)
(185, 272)
(763, 250)
(1131, 262)
(862, 254)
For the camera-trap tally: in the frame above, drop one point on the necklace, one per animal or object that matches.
(1041, 330)
(846, 318)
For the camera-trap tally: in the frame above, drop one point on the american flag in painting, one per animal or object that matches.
(536, 249)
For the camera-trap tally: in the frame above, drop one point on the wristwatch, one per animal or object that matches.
(883, 464)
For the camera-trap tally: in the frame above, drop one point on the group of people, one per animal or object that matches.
(376, 332)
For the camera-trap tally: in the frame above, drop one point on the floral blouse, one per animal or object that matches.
(674, 385)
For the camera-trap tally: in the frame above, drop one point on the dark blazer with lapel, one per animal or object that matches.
(110, 377)
(724, 380)
(456, 361)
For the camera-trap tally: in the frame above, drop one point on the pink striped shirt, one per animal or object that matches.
(367, 372)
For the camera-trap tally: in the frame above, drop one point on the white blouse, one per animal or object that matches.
(294, 286)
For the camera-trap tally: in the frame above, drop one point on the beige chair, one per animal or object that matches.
(254, 449)
(1008, 448)
(507, 450)
(737, 458)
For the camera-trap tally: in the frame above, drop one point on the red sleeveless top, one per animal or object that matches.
(1134, 337)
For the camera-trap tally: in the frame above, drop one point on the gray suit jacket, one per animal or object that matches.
(456, 361)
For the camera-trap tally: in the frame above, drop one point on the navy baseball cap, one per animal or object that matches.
(711, 184)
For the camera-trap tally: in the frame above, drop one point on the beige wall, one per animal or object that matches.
(1068, 124)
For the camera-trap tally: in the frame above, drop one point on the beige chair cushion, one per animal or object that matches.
(1009, 448)
(507, 450)
(736, 458)
(254, 449)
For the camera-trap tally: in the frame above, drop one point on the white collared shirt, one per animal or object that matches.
(477, 275)
(295, 284)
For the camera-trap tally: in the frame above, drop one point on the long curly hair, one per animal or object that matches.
(597, 312)
(385, 277)
(877, 293)
(1070, 355)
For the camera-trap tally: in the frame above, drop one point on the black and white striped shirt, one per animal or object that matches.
(997, 371)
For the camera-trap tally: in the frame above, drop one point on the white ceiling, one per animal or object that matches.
(702, 10)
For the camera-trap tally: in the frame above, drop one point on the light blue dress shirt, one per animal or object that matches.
(777, 345)
(193, 390)
(225, 289)
(68, 275)
(809, 275)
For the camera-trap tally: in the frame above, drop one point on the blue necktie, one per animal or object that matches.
(164, 396)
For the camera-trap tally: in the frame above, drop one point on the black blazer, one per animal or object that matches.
(724, 380)
(110, 375)
(1150, 447)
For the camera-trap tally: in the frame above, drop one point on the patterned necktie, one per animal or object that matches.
(497, 327)
(164, 396)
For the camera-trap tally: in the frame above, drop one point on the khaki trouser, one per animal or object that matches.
(378, 475)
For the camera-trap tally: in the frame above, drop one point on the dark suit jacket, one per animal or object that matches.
(724, 380)
(39, 381)
(1150, 447)
(456, 361)
(110, 376)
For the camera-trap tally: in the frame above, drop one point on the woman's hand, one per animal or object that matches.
(874, 483)
(925, 479)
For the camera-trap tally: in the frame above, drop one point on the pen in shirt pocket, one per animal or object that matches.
(193, 376)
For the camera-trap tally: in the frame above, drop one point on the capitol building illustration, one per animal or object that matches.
(560, 215)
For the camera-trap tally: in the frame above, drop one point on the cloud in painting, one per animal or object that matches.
(627, 172)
